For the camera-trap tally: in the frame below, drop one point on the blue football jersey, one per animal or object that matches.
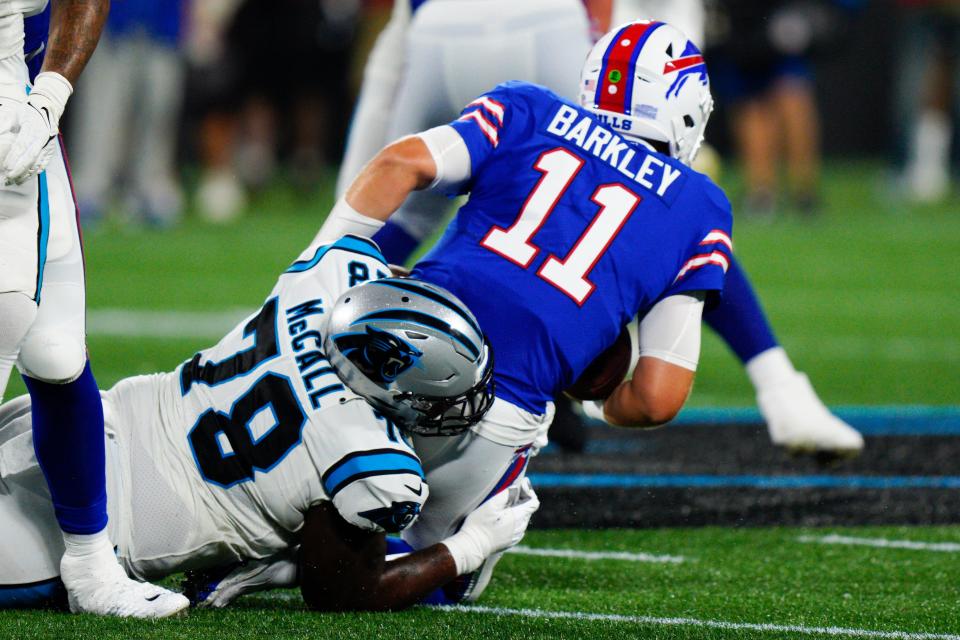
(570, 231)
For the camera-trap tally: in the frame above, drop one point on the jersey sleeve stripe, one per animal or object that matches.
(493, 107)
(485, 125)
(696, 262)
(718, 236)
(364, 464)
(352, 244)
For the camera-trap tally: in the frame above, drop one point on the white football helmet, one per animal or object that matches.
(647, 80)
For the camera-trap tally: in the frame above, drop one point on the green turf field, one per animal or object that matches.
(722, 583)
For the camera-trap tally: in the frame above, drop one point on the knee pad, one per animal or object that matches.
(53, 356)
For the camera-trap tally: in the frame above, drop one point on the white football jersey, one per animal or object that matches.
(12, 13)
(254, 431)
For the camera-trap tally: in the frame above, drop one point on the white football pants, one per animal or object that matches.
(451, 52)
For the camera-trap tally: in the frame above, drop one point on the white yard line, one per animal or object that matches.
(648, 621)
(884, 543)
(706, 624)
(163, 324)
(597, 555)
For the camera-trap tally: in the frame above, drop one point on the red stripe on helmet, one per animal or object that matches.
(612, 95)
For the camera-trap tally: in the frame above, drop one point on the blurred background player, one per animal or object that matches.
(42, 296)
(253, 107)
(419, 64)
(126, 113)
(927, 95)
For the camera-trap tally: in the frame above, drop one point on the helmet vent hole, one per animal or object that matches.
(404, 299)
(413, 335)
(687, 120)
(670, 50)
(346, 300)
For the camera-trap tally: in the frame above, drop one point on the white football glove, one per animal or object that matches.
(37, 123)
(218, 588)
(496, 525)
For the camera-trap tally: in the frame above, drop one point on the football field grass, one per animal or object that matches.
(689, 583)
(864, 298)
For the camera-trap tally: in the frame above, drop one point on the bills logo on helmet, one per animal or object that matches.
(690, 63)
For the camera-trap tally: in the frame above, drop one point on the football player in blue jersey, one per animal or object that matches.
(579, 218)
(43, 49)
(796, 417)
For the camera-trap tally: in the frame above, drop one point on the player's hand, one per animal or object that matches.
(219, 587)
(36, 128)
(496, 525)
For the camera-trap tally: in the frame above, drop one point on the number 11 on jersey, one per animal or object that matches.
(559, 168)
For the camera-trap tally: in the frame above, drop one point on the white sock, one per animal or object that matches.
(17, 311)
(79, 544)
(769, 368)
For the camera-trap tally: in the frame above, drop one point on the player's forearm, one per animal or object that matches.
(395, 172)
(653, 397)
(408, 580)
(401, 583)
(75, 27)
(625, 409)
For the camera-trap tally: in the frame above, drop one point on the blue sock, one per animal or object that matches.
(68, 440)
(739, 318)
(395, 242)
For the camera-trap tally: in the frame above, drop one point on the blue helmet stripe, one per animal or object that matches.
(415, 287)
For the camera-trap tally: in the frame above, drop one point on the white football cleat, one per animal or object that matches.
(799, 421)
(96, 583)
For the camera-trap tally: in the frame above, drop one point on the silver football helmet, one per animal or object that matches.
(415, 352)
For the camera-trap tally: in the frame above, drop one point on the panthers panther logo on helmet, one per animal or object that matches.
(381, 355)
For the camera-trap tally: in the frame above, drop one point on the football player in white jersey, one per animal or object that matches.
(42, 326)
(259, 444)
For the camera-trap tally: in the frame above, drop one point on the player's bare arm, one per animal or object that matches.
(343, 567)
(381, 187)
(669, 350)
(652, 397)
(399, 169)
(75, 27)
